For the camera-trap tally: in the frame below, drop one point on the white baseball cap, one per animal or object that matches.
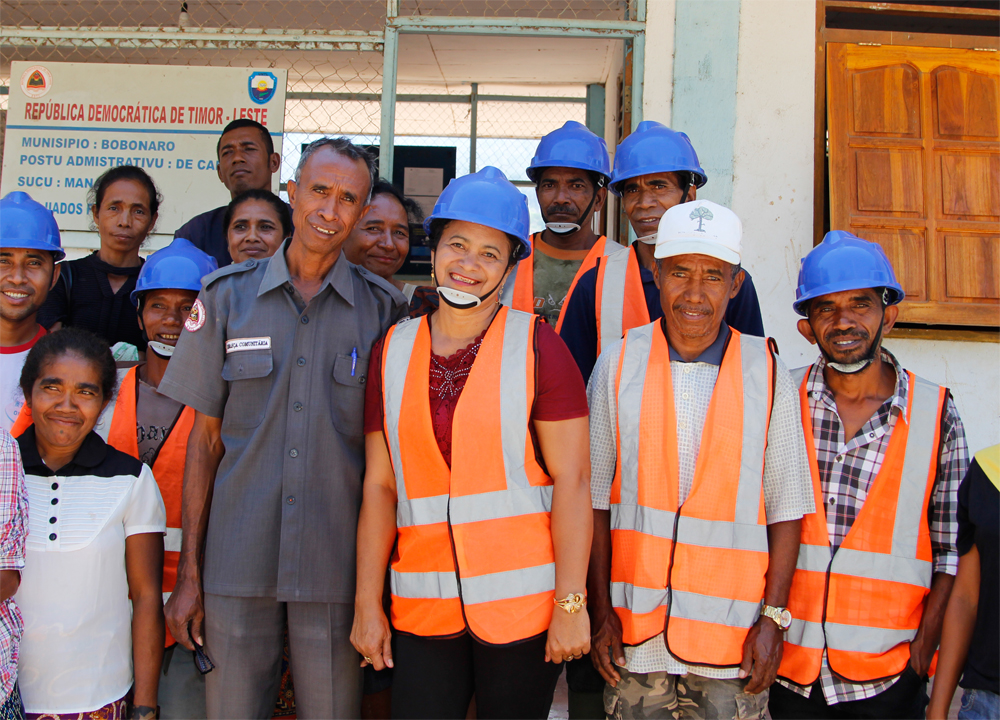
(700, 227)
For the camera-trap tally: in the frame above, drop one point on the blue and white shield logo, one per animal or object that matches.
(262, 86)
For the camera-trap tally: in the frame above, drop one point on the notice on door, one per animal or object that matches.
(69, 122)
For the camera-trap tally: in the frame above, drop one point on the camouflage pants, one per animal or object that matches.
(642, 696)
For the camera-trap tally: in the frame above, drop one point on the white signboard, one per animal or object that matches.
(69, 122)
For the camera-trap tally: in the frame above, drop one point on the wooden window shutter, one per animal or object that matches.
(914, 137)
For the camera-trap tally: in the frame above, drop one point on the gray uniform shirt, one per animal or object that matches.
(287, 378)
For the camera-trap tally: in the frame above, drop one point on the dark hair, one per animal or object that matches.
(246, 122)
(284, 215)
(414, 213)
(70, 341)
(341, 146)
(95, 195)
(437, 230)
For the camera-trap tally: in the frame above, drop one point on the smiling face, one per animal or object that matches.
(26, 276)
(472, 258)
(243, 161)
(564, 194)
(647, 197)
(164, 313)
(694, 293)
(381, 240)
(254, 232)
(123, 218)
(328, 200)
(846, 325)
(66, 401)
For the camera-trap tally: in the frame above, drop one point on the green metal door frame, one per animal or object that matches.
(633, 29)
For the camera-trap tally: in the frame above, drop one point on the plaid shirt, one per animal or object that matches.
(13, 531)
(846, 471)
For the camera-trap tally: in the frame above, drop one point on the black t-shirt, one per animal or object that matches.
(979, 524)
(83, 298)
(206, 232)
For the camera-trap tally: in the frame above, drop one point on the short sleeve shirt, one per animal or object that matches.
(288, 380)
(76, 652)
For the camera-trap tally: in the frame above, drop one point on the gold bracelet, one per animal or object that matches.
(572, 603)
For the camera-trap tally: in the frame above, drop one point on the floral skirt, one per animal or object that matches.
(117, 710)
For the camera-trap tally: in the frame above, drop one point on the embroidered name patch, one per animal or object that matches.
(197, 318)
(257, 343)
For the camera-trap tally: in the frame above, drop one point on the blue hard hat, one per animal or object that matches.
(178, 266)
(655, 148)
(25, 223)
(486, 198)
(844, 262)
(572, 146)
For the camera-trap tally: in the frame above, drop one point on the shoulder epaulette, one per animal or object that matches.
(231, 269)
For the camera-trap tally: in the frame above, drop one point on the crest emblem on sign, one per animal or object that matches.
(701, 214)
(262, 86)
(196, 320)
(36, 81)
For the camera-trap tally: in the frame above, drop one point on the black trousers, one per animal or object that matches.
(435, 678)
(905, 700)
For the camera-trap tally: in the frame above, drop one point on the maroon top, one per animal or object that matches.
(559, 389)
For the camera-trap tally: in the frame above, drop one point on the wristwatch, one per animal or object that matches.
(781, 616)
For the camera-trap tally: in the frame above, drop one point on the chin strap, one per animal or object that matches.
(856, 367)
(164, 351)
(562, 228)
(462, 300)
(647, 239)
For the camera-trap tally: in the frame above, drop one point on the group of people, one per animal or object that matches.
(257, 448)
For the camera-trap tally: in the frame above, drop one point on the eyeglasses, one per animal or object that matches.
(201, 659)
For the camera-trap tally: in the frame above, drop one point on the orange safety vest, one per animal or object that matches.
(693, 571)
(519, 292)
(474, 547)
(619, 301)
(864, 602)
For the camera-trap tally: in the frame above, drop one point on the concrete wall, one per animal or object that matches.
(772, 181)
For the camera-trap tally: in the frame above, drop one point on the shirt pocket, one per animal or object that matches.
(347, 393)
(247, 373)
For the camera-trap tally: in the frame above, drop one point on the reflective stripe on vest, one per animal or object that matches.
(168, 468)
(519, 290)
(663, 556)
(489, 511)
(619, 298)
(863, 604)
(103, 425)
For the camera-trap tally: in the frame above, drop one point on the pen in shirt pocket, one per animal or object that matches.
(354, 360)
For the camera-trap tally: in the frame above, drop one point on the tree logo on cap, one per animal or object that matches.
(701, 214)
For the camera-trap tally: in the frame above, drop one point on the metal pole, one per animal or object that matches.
(474, 99)
(387, 128)
(638, 64)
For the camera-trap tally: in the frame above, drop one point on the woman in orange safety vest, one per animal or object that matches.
(477, 454)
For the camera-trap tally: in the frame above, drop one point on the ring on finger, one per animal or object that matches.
(368, 660)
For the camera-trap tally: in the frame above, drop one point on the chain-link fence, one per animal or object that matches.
(490, 96)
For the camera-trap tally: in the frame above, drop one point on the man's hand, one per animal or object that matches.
(186, 609)
(762, 655)
(371, 635)
(921, 655)
(606, 643)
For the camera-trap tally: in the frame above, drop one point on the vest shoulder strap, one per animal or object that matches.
(799, 374)
(507, 296)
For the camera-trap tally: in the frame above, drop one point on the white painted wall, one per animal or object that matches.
(773, 194)
(658, 90)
